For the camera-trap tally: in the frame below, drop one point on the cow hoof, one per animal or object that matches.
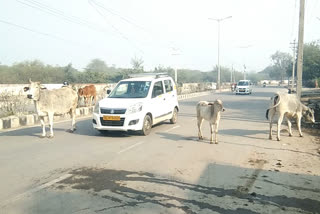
(50, 136)
(290, 135)
(216, 142)
(301, 135)
(70, 130)
(42, 136)
(278, 139)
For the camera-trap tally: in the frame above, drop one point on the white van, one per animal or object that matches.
(244, 87)
(137, 104)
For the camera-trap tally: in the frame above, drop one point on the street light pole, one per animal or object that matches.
(175, 52)
(219, 73)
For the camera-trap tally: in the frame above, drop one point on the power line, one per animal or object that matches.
(34, 31)
(114, 27)
(59, 14)
(117, 14)
(127, 20)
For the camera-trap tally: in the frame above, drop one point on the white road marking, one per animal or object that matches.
(173, 128)
(36, 189)
(130, 147)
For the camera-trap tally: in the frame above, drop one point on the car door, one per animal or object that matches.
(170, 95)
(158, 101)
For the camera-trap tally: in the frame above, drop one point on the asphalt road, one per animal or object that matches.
(168, 171)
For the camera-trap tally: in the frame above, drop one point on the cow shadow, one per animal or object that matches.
(31, 131)
(243, 132)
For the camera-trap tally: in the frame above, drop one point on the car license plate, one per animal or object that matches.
(241, 90)
(116, 118)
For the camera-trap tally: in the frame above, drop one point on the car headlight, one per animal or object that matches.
(134, 108)
(96, 109)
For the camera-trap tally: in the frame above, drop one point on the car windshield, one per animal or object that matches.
(243, 83)
(131, 89)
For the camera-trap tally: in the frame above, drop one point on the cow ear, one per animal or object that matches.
(43, 87)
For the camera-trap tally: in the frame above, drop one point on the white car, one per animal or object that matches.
(244, 87)
(137, 104)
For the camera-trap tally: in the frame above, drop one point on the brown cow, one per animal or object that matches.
(88, 93)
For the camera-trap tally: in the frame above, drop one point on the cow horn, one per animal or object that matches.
(30, 80)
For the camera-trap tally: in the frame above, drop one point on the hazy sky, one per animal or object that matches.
(58, 32)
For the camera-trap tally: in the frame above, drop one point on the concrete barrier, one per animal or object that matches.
(32, 119)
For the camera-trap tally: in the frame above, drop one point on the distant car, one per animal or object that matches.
(244, 87)
(137, 104)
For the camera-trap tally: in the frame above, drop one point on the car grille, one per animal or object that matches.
(112, 122)
(112, 111)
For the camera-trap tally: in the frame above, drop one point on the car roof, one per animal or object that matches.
(146, 78)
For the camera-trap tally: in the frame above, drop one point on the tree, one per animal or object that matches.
(137, 64)
(311, 61)
(70, 73)
(281, 62)
(97, 65)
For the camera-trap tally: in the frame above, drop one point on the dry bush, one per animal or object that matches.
(11, 104)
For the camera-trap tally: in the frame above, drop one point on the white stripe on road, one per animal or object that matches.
(130, 147)
(36, 189)
(172, 128)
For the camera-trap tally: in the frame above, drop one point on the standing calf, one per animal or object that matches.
(289, 106)
(209, 111)
(89, 93)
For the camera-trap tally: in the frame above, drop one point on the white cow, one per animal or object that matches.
(289, 106)
(209, 111)
(52, 102)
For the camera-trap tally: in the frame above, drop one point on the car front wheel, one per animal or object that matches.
(147, 125)
(174, 118)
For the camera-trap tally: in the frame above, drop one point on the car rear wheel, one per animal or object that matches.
(174, 118)
(147, 125)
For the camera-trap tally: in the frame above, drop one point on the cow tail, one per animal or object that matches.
(276, 100)
(267, 114)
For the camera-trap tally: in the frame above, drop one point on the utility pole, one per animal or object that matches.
(300, 49)
(219, 20)
(175, 52)
(231, 75)
(244, 72)
(293, 62)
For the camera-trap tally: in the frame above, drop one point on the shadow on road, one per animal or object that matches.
(100, 190)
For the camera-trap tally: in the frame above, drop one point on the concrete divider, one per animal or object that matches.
(32, 119)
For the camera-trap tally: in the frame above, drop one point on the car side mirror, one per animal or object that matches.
(108, 91)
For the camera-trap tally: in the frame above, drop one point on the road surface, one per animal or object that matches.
(168, 171)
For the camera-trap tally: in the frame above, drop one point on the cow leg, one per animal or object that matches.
(211, 133)
(271, 114)
(299, 125)
(289, 127)
(73, 122)
(50, 116)
(43, 125)
(279, 126)
(200, 120)
(216, 131)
